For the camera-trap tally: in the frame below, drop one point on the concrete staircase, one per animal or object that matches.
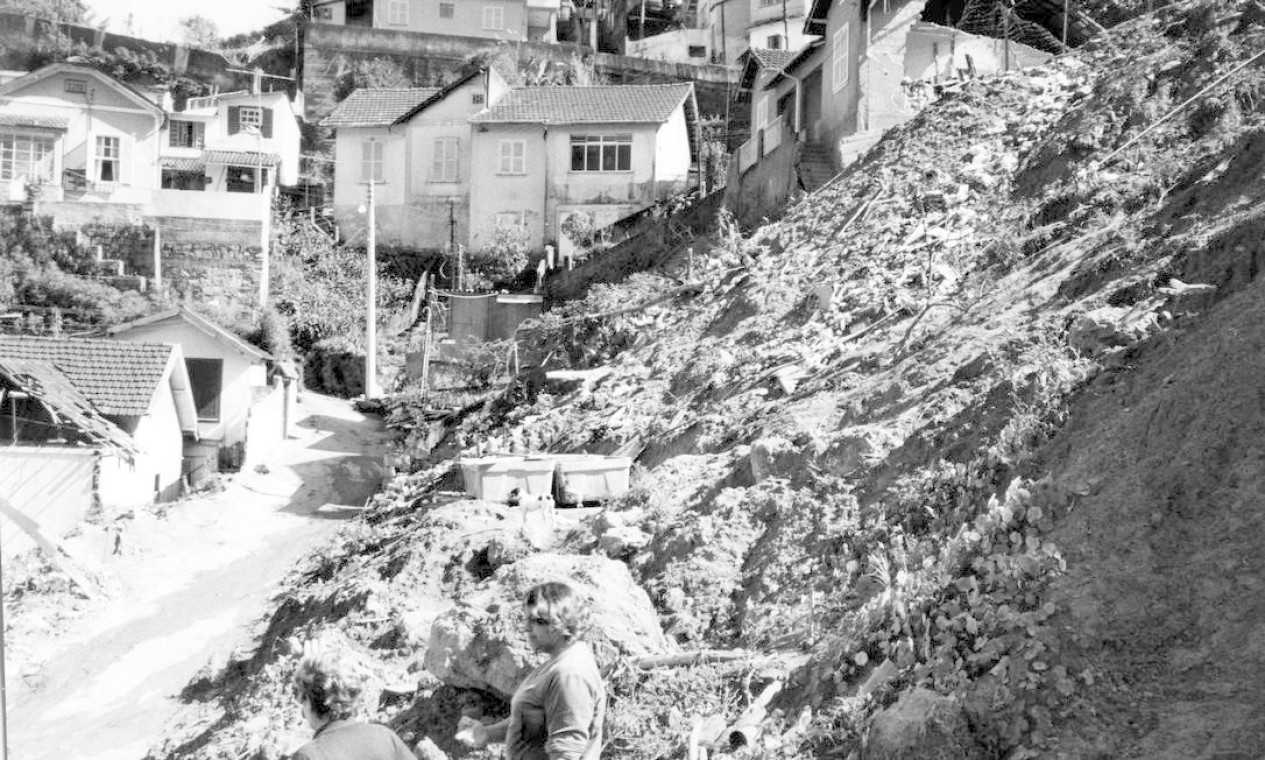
(816, 166)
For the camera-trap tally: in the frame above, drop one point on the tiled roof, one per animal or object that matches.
(608, 104)
(33, 120)
(240, 158)
(377, 107)
(118, 378)
(182, 164)
(772, 59)
(51, 386)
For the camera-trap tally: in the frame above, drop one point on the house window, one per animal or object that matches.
(601, 153)
(241, 179)
(206, 378)
(250, 118)
(769, 3)
(397, 12)
(493, 17)
(185, 134)
(107, 159)
(513, 157)
(79, 86)
(443, 167)
(174, 179)
(371, 160)
(775, 42)
(446, 10)
(698, 51)
(839, 65)
(29, 156)
(477, 98)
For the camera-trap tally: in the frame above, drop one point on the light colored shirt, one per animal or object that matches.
(557, 711)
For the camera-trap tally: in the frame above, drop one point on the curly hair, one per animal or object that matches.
(330, 682)
(562, 606)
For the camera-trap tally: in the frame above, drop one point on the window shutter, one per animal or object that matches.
(234, 119)
(265, 128)
(199, 134)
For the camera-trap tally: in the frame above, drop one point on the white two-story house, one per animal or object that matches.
(510, 20)
(239, 142)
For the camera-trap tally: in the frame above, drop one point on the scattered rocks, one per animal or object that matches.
(922, 725)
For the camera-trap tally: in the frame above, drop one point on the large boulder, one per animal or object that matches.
(922, 725)
(481, 643)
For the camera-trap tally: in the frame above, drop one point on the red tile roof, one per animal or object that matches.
(608, 104)
(118, 378)
(377, 107)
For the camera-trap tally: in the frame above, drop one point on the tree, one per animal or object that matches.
(66, 11)
(199, 32)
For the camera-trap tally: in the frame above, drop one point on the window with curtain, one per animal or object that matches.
(107, 159)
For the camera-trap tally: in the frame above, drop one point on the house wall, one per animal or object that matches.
(52, 485)
(674, 46)
(758, 34)
(266, 426)
(286, 135)
(110, 114)
(882, 102)
(935, 53)
(390, 196)
(727, 23)
(466, 21)
(241, 379)
(157, 435)
(548, 189)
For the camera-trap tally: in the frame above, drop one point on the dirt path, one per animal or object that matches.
(190, 583)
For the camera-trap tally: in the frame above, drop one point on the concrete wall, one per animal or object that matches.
(934, 53)
(673, 46)
(52, 485)
(271, 408)
(159, 466)
(762, 190)
(727, 23)
(509, 193)
(20, 33)
(329, 53)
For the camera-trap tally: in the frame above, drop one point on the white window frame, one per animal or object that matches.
(606, 145)
(769, 3)
(397, 12)
(107, 149)
(76, 85)
(447, 10)
(444, 159)
(840, 57)
(493, 18)
(372, 164)
(513, 155)
(25, 154)
(250, 116)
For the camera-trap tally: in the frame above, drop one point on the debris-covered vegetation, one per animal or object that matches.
(960, 458)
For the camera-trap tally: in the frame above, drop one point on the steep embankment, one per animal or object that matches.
(970, 439)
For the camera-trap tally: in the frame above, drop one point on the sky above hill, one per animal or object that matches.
(157, 19)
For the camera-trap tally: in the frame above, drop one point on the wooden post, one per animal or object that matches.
(1065, 15)
(426, 345)
(158, 259)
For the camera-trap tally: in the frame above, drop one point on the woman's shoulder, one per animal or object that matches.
(578, 658)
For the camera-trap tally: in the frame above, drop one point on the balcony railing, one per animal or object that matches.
(773, 134)
(749, 153)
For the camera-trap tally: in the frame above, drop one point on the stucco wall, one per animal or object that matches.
(467, 19)
(728, 21)
(52, 485)
(935, 53)
(672, 150)
(673, 46)
(266, 426)
(161, 443)
(506, 193)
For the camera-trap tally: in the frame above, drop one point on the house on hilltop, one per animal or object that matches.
(91, 424)
(547, 160)
(510, 20)
(244, 399)
(245, 141)
(415, 145)
(475, 162)
(76, 133)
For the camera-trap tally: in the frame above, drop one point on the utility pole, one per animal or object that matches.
(4, 701)
(1065, 14)
(371, 325)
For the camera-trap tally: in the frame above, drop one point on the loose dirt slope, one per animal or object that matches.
(970, 440)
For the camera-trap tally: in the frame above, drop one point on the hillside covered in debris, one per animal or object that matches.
(961, 458)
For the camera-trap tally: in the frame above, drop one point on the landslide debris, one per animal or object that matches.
(965, 450)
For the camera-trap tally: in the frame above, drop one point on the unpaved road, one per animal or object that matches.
(187, 585)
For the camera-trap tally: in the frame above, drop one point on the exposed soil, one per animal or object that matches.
(97, 679)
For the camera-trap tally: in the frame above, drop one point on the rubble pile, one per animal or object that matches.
(882, 443)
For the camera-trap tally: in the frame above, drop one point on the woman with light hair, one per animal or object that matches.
(557, 711)
(328, 686)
